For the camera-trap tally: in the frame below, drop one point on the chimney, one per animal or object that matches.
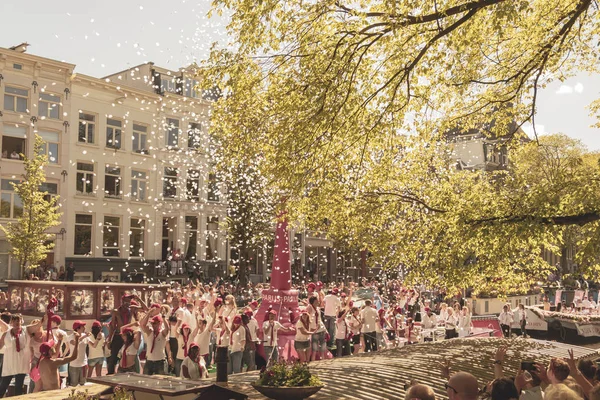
(20, 48)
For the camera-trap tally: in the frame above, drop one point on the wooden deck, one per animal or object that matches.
(382, 375)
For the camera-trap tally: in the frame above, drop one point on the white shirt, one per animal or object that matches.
(354, 324)
(369, 317)
(16, 362)
(189, 319)
(180, 350)
(428, 322)
(505, 318)
(222, 337)
(82, 358)
(464, 321)
(451, 322)
(237, 340)
(159, 346)
(332, 304)
(194, 369)
(253, 328)
(314, 315)
(521, 315)
(270, 332)
(301, 337)
(203, 341)
(98, 351)
(341, 329)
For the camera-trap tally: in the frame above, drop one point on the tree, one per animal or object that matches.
(250, 212)
(29, 235)
(350, 104)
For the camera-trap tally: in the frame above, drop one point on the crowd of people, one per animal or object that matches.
(198, 324)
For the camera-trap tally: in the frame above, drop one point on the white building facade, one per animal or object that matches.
(132, 167)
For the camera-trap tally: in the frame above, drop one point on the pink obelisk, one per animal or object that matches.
(280, 296)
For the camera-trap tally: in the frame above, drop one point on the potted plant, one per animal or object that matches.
(287, 381)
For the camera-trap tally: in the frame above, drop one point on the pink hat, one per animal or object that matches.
(254, 303)
(185, 326)
(319, 284)
(45, 348)
(218, 302)
(183, 300)
(193, 344)
(249, 313)
(343, 295)
(273, 312)
(156, 319)
(127, 330)
(155, 305)
(311, 285)
(78, 324)
(56, 318)
(97, 324)
(381, 311)
(237, 319)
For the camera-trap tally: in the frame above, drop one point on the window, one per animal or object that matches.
(170, 183)
(136, 237)
(15, 99)
(113, 133)
(168, 84)
(85, 178)
(83, 234)
(190, 88)
(193, 185)
(50, 146)
(112, 182)
(14, 142)
(18, 66)
(11, 205)
(191, 237)
(87, 128)
(49, 106)
(172, 132)
(139, 185)
(51, 190)
(110, 236)
(194, 136)
(140, 138)
(212, 235)
(213, 187)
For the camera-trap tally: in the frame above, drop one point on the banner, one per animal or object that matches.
(578, 296)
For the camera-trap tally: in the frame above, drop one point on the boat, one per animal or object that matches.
(84, 301)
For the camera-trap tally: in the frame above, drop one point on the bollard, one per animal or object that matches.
(221, 359)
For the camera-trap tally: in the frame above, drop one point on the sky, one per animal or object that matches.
(108, 36)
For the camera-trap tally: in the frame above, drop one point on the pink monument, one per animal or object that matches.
(280, 296)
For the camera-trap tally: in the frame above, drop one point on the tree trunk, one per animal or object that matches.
(243, 267)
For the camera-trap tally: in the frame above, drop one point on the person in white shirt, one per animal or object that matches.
(184, 338)
(193, 366)
(369, 319)
(203, 338)
(237, 343)
(464, 322)
(332, 305)
(96, 346)
(355, 323)
(522, 318)
(251, 325)
(342, 334)
(77, 375)
(428, 320)
(505, 319)
(302, 339)
(17, 354)
(443, 312)
(156, 342)
(319, 345)
(270, 329)
(450, 324)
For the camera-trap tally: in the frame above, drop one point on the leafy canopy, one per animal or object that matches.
(349, 102)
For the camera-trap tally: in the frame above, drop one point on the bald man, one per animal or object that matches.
(420, 392)
(462, 386)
